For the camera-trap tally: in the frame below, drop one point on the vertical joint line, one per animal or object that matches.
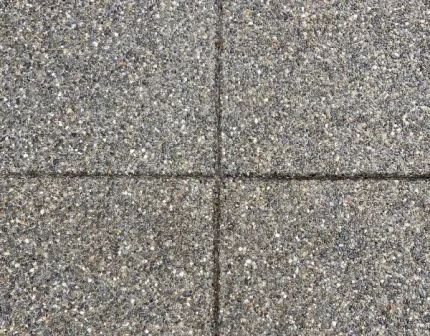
(218, 170)
(217, 83)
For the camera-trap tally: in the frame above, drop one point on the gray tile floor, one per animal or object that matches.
(189, 167)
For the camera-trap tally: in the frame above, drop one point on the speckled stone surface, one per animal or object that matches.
(99, 86)
(105, 257)
(326, 86)
(325, 258)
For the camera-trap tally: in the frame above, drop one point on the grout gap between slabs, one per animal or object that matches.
(218, 169)
(147, 175)
(328, 177)
(221, 177)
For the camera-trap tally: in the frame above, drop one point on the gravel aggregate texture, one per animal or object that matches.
(105, 257)
(190, 167)
(325, 258)
(326, 86)
(98, 86)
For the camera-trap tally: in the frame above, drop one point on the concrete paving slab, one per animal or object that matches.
(105, 257)
(325, 258)
(326, 86)
(98, 86)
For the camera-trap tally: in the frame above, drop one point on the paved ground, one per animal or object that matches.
(191, 167)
